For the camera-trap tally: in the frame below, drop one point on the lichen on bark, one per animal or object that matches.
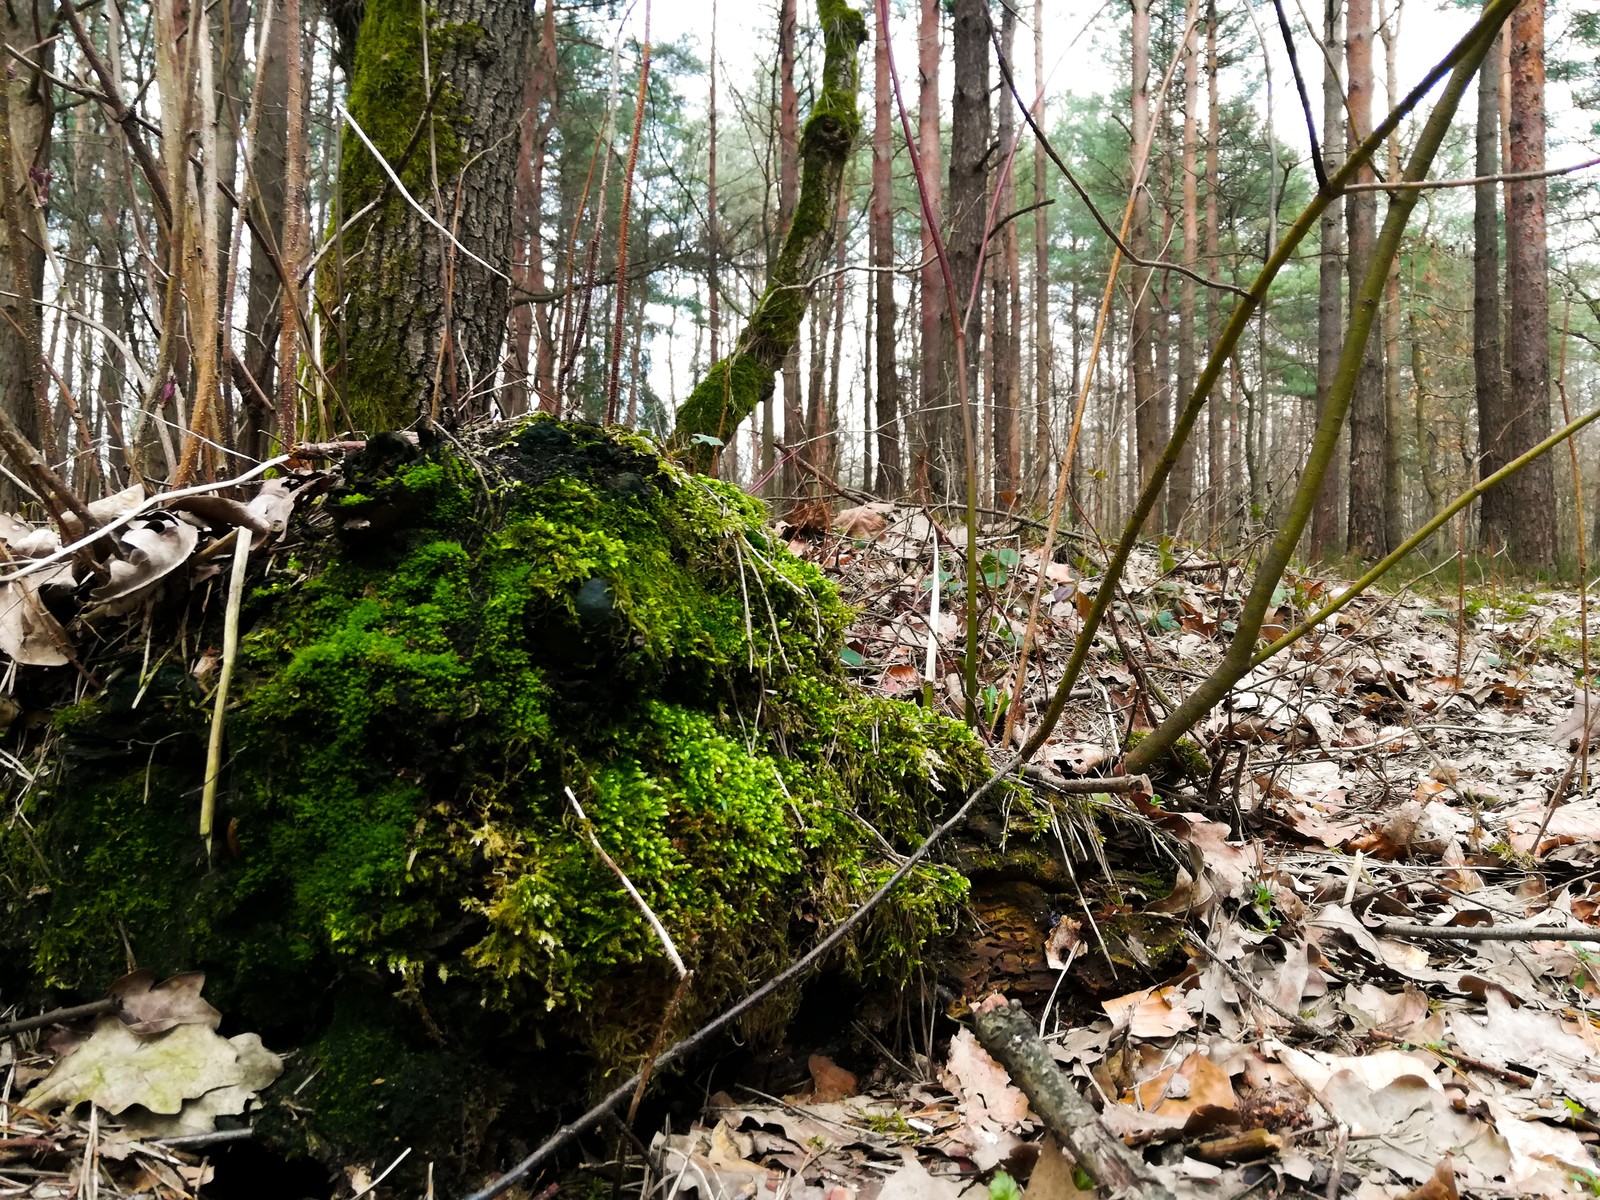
(733, 387)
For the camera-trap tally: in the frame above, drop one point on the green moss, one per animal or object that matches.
(455, 652)
(733, 388)
(1185, 758)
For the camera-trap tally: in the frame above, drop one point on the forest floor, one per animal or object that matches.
(1356, 1006)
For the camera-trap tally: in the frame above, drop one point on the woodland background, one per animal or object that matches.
(646, 190)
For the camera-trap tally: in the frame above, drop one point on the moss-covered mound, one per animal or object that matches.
(448, 645)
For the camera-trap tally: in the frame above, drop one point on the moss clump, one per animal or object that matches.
(458, 645)
(1185, 759)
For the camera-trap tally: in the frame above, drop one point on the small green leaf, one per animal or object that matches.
(1003, 1187)
(705, 439)
(851, 658)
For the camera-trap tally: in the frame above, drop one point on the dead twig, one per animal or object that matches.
(1007, 1032)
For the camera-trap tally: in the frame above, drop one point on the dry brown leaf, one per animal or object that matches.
(985, 1091)
(1150, 1013)
(149, 1007)
(829, 1081)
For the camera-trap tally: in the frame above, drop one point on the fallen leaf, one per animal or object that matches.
(829, 1081)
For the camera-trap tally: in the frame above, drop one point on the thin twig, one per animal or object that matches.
(627, 884)
(383, 165)
(60, 1016)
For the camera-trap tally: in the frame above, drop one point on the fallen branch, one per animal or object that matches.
(60, 1016)
(1489, 933)
(1007, 1032)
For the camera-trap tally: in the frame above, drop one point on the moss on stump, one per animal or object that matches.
(447, 645)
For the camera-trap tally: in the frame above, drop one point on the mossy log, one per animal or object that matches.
(446, 644)
(737, 384)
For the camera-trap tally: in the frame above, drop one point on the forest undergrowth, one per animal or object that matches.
(1335, 943)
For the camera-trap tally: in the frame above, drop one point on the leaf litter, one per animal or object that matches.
(1406, 766)
(1400, 776)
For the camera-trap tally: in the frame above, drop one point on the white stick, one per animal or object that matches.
(655, 922)
(230, 651)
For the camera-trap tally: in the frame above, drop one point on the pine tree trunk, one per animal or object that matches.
(1393, 479)
(794, 420)
(1488, 371)
(969, 158)
(1147, 418)
(928, 468)
(1532, 534)
(1006, 378)
(1216, 508)
(423, 323)
(1181, 487)
(886, 389)
(26, 140)
(1330, 279)
(1043, 464)
(1367, 535)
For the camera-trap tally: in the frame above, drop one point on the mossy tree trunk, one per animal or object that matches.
(736, 385)
(422, 322)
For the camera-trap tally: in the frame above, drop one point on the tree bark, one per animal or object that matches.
(1181, 488)
(1532, 534)
(1216, 437)
(736, 385)
(794, 420)
(1367, 534)
(1147, 419)
(1488, 370)
(27, 139)
(1043, 458)
(1330, 277)
(1006, 360)
(423, 322)
(531, 348)
(969, 159)
(1393, 476)
(267, 169)
(934, 390)
(888, 481)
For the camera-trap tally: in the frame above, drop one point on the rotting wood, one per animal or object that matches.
(1008, 1033)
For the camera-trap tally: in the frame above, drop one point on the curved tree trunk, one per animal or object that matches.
(733, 387)
(423, 323)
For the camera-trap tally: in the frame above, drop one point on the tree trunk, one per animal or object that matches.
(1496, 517)
(1043, 481)
(1181, 488)
(265, 293)
(1532, 535)
(1216, 509)
(1006, 380)
(969, 158)
(1330, 278)
(532, 351)
(794, 420)
(1367, 535)
(882, 253)
(1393, 479)
(26, 141)
(928, 468)
(424, 322)
(736, 385)
(1147, 419)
